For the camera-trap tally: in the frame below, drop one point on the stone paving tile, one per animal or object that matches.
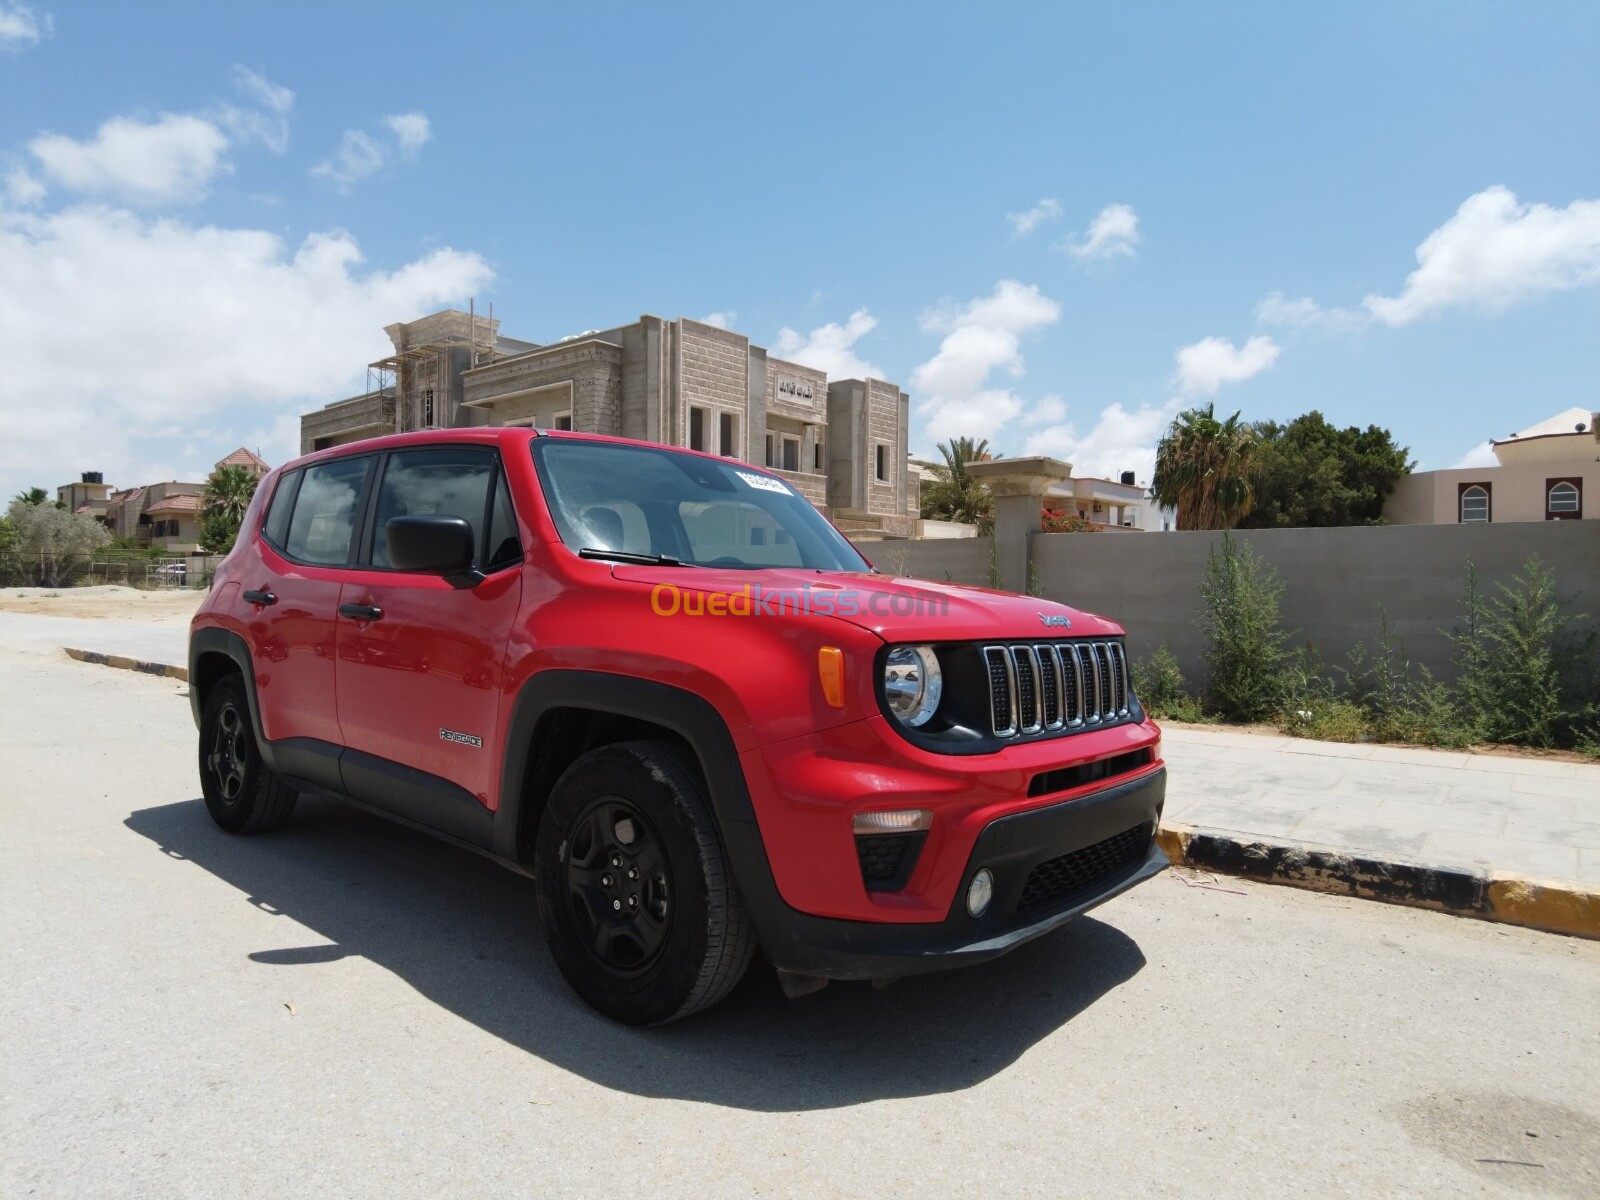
(1587, 808)
(1502, 854)
(1589, 866)
(1362, 834)
(1430, 818)
(1517, 765)
(1394, 787)
(1583, 788)
(1533, 828)
(1556, 807)
(1419, 758)
(1244, 817)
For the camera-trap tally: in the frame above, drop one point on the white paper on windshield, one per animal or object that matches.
(764, 482)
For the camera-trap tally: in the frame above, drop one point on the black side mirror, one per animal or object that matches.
(431, 545)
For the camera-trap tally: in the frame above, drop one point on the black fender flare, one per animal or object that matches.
(211, 640)
(690, 716)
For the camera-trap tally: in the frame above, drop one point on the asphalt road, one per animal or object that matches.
(350, 1009)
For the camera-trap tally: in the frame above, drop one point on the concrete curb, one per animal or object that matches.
(123, 662)
(1553, 906)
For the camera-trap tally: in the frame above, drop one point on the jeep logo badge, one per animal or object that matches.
(1056, 622)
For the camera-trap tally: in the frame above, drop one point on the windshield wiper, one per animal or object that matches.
(628, 556)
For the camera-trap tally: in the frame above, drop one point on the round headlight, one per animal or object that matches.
(912, 683)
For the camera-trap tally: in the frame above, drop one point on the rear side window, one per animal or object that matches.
(451, 481)
(323, 523)
(277, 526)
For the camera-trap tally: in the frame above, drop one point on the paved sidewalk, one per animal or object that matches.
(149, 641)
(1528, 816)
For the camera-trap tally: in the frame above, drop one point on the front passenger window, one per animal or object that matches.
(452, 482)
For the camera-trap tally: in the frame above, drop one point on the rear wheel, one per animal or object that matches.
(243, 795)
(635, 893)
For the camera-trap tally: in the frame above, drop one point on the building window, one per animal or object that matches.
(1473, 500)
(769, 450)
(816, 456)
(564, 421)
(791, 454)
(1563, 499)
(882, 462)
(697, 429)
(427, 409)
(728, 435)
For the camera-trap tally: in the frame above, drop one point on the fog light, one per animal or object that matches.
(979, 892)
(906, 820)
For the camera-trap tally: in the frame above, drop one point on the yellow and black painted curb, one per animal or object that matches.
(1553, 906)
(124, 663)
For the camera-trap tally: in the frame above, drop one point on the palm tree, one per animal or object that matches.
(952, 494)
(32, 497)
(228, 493)
(1203, 469)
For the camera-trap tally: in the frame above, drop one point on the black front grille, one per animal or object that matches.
(999, 687)
(887, 858)
(1055, 882)
(1065, 778)
(1043, 687)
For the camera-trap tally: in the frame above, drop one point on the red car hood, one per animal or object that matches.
(897, 609)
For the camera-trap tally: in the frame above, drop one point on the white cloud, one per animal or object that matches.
(1306, 314)
(155, 346)
(1494, 252)
(1114, 233)
(170, 159)
(980, 337)
(21, 26)
(1024, 223)
(831, 347)
(722, 320)
(411, 130)
(1481, 455)
(360, 155)
(1119, 441)
(268, 121)
(1047, 410)
(1211, 362)
(22, 188)
(356, 157)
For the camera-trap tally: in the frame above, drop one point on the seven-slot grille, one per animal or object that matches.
(1039, 687)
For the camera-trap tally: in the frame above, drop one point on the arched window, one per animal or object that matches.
(1563, 501)
(1474, 505)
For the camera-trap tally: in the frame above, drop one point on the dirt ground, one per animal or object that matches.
(108, 601)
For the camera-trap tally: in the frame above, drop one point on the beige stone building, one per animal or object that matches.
(840, 443)
(164, 515)
(1549, 472)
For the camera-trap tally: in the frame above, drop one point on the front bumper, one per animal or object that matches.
(1013, 848)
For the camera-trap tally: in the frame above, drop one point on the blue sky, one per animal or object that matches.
(1053, 224)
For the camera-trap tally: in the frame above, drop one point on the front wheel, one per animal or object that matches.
(242, 793)
(635, 893)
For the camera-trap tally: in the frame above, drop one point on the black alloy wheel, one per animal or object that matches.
(618, 885)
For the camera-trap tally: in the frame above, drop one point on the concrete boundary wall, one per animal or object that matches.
(1334, 579)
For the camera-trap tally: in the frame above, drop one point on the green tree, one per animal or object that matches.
(952, 494)
(1244, 654)
(10, 563)
(1203, 469)
(1309, 473)
(53, 546)
(227, 496)
(32, 497)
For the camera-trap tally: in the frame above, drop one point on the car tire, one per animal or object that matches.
(635, 892)
(243, 794)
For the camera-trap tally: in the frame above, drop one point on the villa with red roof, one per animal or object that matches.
(163, 515)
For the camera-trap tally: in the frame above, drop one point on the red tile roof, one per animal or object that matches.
(176, 504)
(243, 458)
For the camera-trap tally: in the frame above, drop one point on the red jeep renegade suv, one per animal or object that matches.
(666, 687)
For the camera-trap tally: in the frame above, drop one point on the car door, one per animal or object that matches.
(290, 596)
(421, 657)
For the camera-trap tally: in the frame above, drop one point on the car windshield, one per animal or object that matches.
(667, 506)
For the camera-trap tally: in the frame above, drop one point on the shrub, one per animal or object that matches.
(1057, 521)
(1158, 683)
(1244, 640)
(1524, 678)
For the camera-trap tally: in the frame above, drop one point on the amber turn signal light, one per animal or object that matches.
(830, 669)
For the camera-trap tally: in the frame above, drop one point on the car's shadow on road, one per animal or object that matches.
(464, 932)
